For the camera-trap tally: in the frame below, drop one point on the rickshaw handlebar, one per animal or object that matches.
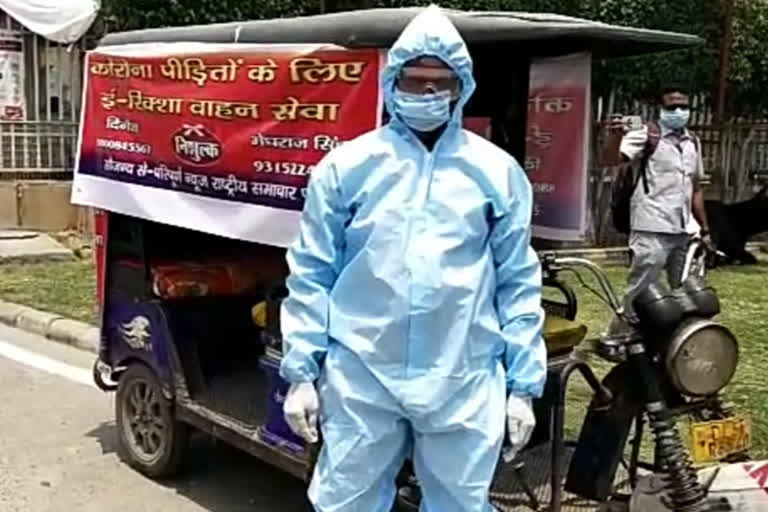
(552, 264)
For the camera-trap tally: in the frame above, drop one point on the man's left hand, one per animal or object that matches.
(520, 424)
(706, 239)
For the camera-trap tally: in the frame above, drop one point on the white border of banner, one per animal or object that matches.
(231, 219)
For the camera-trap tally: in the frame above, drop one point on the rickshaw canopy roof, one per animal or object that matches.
(532, 34)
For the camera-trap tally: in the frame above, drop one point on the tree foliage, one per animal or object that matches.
(749, 61)
(636, 78)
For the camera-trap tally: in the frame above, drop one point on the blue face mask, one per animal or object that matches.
(423, 112)
(675, 119)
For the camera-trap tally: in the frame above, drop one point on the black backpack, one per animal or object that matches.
(626, 179)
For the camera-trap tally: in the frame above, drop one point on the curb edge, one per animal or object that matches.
(51, 326)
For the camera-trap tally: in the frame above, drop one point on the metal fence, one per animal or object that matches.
(736, 156)
(43, 142)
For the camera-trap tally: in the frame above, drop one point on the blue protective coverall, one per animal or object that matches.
(415, 302)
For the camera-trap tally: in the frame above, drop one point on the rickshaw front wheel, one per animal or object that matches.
(150, 439)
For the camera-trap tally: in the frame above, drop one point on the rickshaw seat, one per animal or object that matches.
(562, 335)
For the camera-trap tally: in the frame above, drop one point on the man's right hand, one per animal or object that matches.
(300, 410)
(612, 132)
(615, 124)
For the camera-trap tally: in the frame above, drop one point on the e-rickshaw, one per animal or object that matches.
(191, 338)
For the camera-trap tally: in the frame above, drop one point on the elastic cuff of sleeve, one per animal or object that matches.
(525, 392)
(296, 376)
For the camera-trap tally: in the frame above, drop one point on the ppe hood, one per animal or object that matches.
(432, 34)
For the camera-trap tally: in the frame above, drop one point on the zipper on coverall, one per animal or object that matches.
(425, 181)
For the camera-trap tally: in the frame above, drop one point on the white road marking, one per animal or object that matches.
(46, 364)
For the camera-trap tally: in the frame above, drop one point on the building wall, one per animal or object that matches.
(40, 97)
(40, 205)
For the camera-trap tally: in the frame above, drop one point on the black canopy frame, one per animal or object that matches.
(527, 34)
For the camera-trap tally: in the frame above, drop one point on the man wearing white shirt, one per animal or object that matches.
(662, 209)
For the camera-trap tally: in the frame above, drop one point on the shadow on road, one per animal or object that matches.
(220, 478)
(106, 435)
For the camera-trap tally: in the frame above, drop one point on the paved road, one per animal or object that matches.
(57, 448)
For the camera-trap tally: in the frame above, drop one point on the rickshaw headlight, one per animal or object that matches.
(702, 358)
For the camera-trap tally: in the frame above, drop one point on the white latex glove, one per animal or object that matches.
(300, 410)
(520, 424)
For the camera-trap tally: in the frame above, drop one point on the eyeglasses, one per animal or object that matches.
(420, 79)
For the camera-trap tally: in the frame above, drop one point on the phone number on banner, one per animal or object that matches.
(121, 145)
(290, 168)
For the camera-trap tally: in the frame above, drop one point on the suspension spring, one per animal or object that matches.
(685, 492)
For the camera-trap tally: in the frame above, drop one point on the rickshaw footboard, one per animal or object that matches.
(508, 493)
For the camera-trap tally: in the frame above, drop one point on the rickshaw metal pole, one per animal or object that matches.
(518, 470)
(633, 466)
(557, 457)
(558, 423)
(558, 443)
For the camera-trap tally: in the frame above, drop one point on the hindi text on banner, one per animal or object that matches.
(294, 109)
(197, 71)
(314, 70)
(121, 69)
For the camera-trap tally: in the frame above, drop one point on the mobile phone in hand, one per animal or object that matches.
(632, 122)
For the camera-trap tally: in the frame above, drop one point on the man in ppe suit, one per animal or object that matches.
(413, 320)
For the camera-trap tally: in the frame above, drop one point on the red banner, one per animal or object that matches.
(557, 147)
(242, 125)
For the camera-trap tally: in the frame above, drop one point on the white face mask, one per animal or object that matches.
(423, 112)
(675, 119)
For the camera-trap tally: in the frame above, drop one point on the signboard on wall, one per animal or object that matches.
(557, 145)
(12, 101)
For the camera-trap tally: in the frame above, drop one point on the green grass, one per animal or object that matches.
(65, 288)
(69, 289)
